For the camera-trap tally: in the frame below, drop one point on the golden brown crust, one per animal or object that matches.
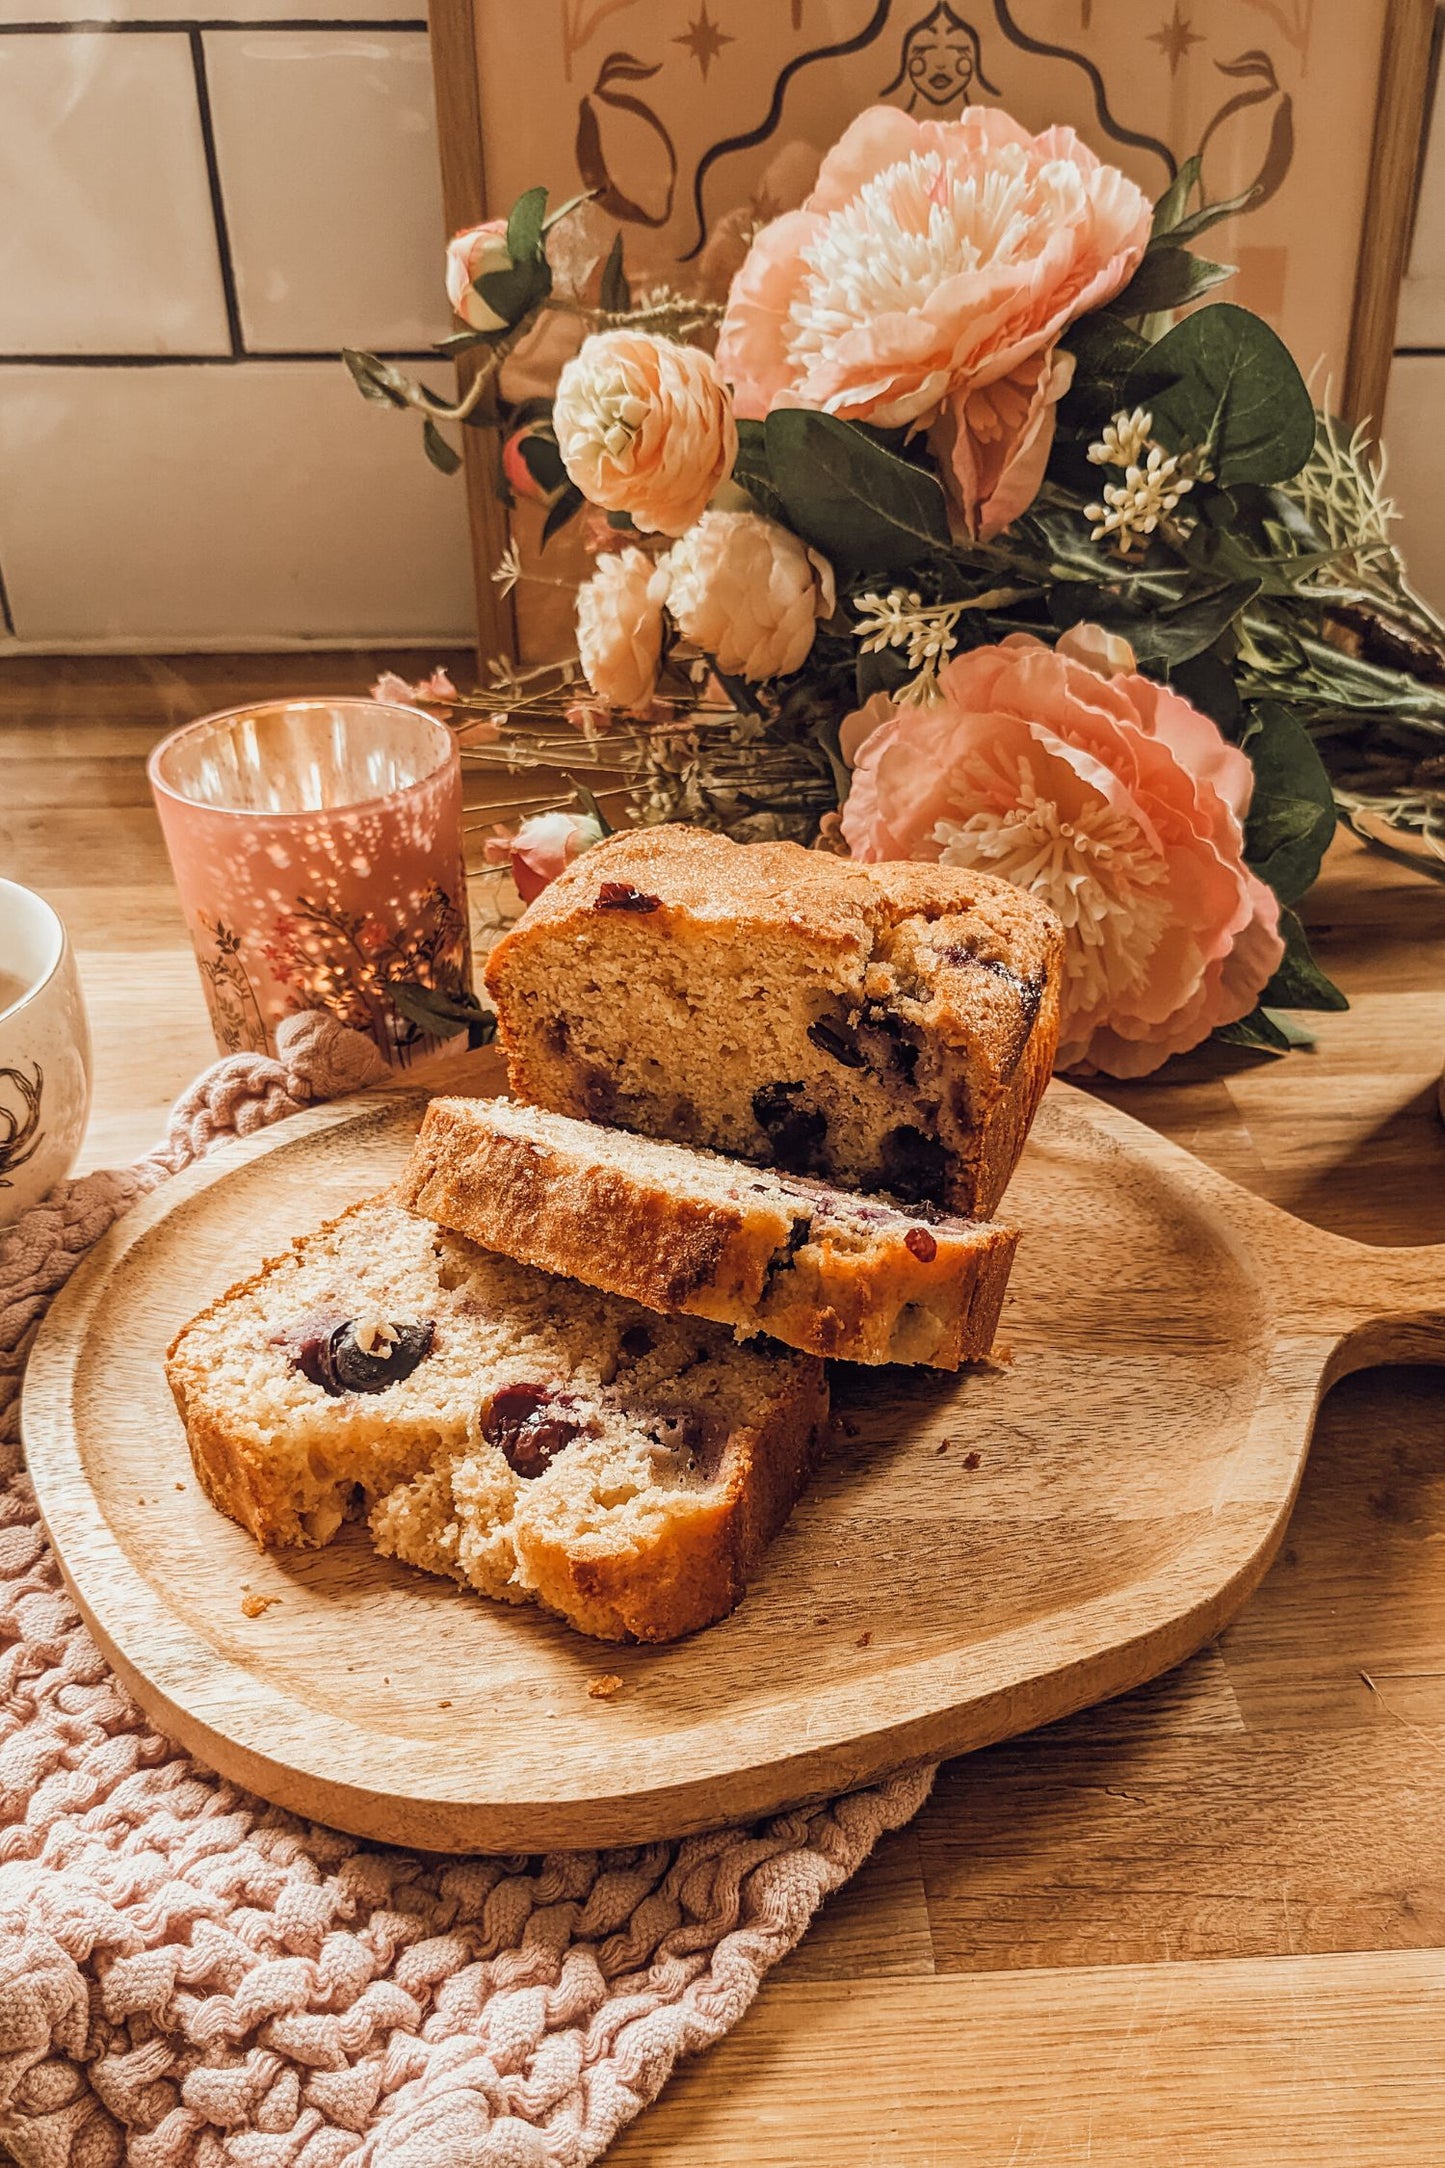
(570, 1204)
(236, 1480)
(692, 1566)
(699, 1570)
(968, 966)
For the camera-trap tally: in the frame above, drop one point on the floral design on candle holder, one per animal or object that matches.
(317, 846)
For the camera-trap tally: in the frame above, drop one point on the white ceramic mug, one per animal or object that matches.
(44, 1051)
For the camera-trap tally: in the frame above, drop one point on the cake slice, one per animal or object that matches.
(889, 1027)
(686, 1230)
(535, 1440)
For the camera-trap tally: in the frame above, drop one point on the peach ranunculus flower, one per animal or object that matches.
(619, 627)
(470, 255)
(933, 262)
(543, 845)
(748, 593)
(645, 426)
(1110, 797)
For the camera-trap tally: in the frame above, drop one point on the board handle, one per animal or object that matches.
(1398, 1297)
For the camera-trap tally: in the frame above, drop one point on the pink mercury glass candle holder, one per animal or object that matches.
(317, 847)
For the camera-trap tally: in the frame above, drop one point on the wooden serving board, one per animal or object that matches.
(980, 1555)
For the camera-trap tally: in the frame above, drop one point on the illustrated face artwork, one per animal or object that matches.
(938, 61)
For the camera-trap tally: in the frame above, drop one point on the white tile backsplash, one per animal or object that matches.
(327, 150)
(227, 11)
(254, 500)
(107, 242)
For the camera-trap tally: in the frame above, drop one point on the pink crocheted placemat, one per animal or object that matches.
(188, 1976)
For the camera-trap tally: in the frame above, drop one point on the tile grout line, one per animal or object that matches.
(218, 201)
(186, 24)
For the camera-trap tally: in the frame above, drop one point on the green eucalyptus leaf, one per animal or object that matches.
(543, 461)
(752, 472)
(1194, 223)
(511, 294)
(1169, 210)
(568, 505)
(1231, 385)
(441, 454)
(849, 495)
(1292, 812)
(1259, 1031)
(462, 342)
(442, 1015)
(1207, 682)
(587, 799)
(1299, 982)
(1168, 278)
(615, 294)
(1160, 632)
(375, 379)
(526, 225)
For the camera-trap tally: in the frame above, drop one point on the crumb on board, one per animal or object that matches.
(863, 1641)
(443, 1704)
(604, 1686)
(970, 1460)
(943, 1447)
(180, 1486)
(253, 1606)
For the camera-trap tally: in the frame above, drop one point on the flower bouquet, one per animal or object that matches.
(946, 536)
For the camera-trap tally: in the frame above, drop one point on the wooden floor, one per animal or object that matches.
(1203, 1927)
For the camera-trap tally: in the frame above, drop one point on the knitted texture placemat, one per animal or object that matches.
(188, 1976)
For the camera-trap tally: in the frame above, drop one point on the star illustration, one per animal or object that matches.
(703, 39)
(1175, 37)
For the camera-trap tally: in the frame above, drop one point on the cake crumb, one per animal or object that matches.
(942, 1448)
(180, 1486)
(970, 1460)
(863, 1641)
(443, 1704)
(604, 1686)
(253, 1606)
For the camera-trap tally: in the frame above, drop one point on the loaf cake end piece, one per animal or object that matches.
(889, 1027)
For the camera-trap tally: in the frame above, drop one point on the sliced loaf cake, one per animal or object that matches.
(686, 1230)
(535, 1440)
(889, 1027)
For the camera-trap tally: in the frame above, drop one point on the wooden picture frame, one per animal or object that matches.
(508, 118)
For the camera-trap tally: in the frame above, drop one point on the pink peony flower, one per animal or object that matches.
(645, 427)
(993, 444)
(748, 593)
(1110, 797)
(400, 692)
(933, 261)
(619, 627)
(543, 845)
(471, 254)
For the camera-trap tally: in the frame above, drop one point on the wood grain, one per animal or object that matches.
(1401, 106)
(986, 1552)
(1330, 2061)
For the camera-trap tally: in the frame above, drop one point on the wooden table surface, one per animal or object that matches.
(1200, 1927)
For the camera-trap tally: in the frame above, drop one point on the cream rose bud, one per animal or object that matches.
(748, 593)
(645, 427)
(619, 627)
(471, 254)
